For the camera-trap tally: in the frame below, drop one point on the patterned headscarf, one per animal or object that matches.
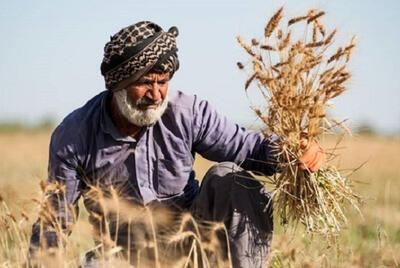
(136, 50)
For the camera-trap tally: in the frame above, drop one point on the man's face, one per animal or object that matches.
(143, 102)
(149, 91)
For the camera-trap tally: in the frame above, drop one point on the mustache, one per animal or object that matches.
(147, 101)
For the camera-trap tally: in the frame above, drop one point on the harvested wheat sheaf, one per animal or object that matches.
(298, 77)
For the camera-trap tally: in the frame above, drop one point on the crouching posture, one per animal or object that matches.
(138, 140)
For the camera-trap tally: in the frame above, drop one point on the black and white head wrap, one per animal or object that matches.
(136, 50)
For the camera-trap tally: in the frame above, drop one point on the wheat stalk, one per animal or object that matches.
(297, 85)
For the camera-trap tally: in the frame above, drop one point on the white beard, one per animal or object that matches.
(135, 115)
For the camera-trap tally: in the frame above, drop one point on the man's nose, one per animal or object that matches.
(154, 92)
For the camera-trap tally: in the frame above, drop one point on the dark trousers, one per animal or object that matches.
(232, 196)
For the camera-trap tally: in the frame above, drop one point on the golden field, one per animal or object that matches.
(371, 240)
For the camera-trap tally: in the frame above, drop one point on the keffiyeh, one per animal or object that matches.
(136, 50)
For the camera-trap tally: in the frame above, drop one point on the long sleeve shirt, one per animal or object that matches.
(87, 149)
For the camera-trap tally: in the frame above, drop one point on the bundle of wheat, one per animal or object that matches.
(298, 78)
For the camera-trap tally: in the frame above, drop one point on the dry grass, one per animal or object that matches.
(298, 74)
(163, 238)
(372, 241)
(169, 239)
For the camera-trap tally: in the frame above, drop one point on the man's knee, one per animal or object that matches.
(230, 175)
(222, 169)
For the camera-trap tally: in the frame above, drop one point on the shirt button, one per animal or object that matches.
(141, 184)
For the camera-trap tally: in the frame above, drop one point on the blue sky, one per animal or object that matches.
(51, 52)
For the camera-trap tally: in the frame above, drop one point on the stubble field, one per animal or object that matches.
(369, 241)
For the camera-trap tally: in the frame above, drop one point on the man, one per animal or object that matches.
(141, 138)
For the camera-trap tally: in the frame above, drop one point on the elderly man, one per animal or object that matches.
(141, 137)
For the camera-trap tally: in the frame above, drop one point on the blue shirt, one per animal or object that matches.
(88, 148)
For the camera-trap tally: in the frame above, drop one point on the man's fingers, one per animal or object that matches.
(320, 160)
(309, 154)
(303, 143)
(306, 160)
(315, 163)
(313, 158)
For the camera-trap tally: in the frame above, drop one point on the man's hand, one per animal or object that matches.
(313, 158)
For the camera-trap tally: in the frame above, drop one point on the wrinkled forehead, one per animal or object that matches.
(155, 76)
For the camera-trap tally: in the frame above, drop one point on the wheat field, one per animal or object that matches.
(370, 240)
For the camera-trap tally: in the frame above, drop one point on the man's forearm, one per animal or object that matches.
(265, 158)
(55, 222)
